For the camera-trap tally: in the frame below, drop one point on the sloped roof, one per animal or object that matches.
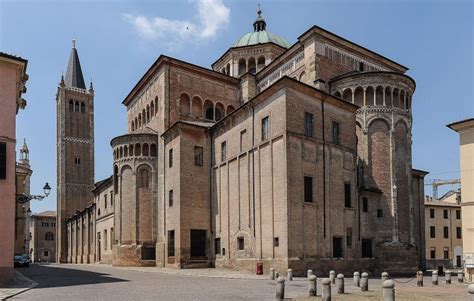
(74, 77)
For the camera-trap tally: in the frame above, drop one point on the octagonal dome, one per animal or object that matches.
(260, 37)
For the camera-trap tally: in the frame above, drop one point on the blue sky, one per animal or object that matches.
(117, 41)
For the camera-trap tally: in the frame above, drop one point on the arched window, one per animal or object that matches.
(148, 113)
(197, 107)
(209, 110)
(130, 149)
(83, 107)
(133, 125)
(71, 106)
(125, 151)
(242, 66)
(49, 236)
(115, 179)
(152, 108)
(140, 120)
(229, 110)
(143, 175)
(156, 105)
(136, 123)
(227, 69)
(153, 151)
(219, 111)
(76, 106)
(252, 66)
(184, 104)
(145, 149)
(138, 149)
(143, 117)
(260, 63)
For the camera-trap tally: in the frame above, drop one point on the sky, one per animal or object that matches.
(118, 41)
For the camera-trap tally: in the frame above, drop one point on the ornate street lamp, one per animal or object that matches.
(25, 198)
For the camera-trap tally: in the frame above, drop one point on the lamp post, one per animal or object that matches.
(25, 198)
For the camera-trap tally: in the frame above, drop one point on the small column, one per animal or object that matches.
(340, 284)
(364, 282)
(353, 95)
(375, 96)
(388, 289)
(419, 278)
(447, 276)
(290, 274)
(332, 277)
(309, 273)
(470, 292)
(434, 278)
(384, 95)
(460, 277)
(365, 100)
(312, 286)
(356, 279)
(272, 274)
(384, 276)
(326, 295)
(280, 289)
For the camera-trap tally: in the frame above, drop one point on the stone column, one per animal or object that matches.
(384, 276)
(309, 273)
(434, 278)
(312, 286)
(353, 95)
(384, 95)
(340, 284)
(470, 291)
(364, 282)
(365, 96)
(460, 277)
(356, 279)
(280, 289)
(419, 278)
(326, 295)
(388, 288)
(272, 274)
(447, 276)
(290, 274)
(332, 277)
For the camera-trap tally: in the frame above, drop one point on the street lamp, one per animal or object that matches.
(25, 198)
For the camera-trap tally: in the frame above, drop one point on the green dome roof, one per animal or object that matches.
(260, 37)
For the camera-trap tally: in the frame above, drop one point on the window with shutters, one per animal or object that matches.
(308, 124)
(308, 189)
(198, 154)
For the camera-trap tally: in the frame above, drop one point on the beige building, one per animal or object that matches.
(465, 129)
(104, 225)
(444, 232)
(13, 79)
(42, 231)
(291, 156)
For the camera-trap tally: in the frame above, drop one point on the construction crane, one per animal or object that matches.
(438, 182)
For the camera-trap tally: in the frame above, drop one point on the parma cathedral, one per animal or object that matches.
(282, 155)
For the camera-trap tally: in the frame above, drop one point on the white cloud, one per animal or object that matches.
(212, 16)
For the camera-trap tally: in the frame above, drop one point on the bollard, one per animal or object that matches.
(272, 274)
(364, 282)
(332, 276)
(434, 278)
(290, 274)
(277, 275)
(460, 277)
(356, 279)
(310, 272)
(340, 284)
(447, 276)
(419, 278)
(313, 284)
(280, 290)
(326, 295)
(470, 292)
(384, 277)
(388, 288)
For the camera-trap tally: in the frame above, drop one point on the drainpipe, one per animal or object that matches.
(212, 246)
(324, 167)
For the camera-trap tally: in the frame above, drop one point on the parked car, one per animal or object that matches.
(21, 260)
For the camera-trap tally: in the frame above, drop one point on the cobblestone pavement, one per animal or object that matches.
(21, 284)
(102, 282)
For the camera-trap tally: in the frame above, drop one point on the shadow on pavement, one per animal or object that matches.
(54, 276)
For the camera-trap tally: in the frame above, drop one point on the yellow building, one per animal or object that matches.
(443, 232)
(465, 128)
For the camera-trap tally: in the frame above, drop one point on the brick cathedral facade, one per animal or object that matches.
(294, 156)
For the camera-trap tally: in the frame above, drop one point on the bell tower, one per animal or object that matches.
(75, 148)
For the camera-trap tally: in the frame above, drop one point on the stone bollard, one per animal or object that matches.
(326, 295)
(419, 278)
(356, 279)
(434, 278)
(388, 289)
(277, 275)
(310, 272)
(280, 290)
(313, 284)
(447, 276)
(470, 292)
(364, 282)
(460, 277)
(384, 277)
(272, 274)
(290, 274)
(332, 276)
(340, 284)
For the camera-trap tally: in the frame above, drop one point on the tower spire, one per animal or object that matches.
(74, 77)
(259, 24)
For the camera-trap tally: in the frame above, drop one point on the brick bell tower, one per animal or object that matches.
(75, 148)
